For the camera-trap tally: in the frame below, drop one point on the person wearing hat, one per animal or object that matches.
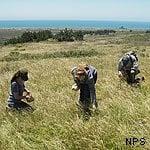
(128, 68)
(19, 92)
(85, 77)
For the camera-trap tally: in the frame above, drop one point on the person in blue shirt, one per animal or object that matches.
(85, 77)
(19, 92)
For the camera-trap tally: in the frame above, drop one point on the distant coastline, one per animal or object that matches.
(72, 24)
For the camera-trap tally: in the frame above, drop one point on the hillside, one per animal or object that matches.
(123, 110)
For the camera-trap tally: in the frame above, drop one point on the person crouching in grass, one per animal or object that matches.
(19, 92)
(85, 77)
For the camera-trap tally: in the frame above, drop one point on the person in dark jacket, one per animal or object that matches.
(85, 77)
(19, 92)
(128, 68)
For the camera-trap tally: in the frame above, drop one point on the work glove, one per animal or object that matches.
(75, 87)
(29, 98)
(132, 71)
(120, 74)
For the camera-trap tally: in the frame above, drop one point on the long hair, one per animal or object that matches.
(15, 76)
(21, 73)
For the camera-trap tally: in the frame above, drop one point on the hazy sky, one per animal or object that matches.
(131, 10)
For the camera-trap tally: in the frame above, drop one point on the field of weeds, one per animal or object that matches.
(123, 110)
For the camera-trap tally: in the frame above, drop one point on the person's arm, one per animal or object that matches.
(120, 65)
(135, 64)
(27, 92)
(28, 95)
(95, 76)
(120, 68)
(77, 83)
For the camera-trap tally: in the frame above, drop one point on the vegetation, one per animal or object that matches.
(62, 35)
(123, 110)
(31, 37)
(148, 31)
(16, 56)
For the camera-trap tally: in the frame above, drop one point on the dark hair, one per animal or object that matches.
(23, 73)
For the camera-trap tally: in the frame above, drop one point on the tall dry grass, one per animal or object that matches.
(123, 110)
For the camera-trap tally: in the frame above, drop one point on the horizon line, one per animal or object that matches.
(75, 20)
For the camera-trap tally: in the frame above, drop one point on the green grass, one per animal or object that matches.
(16, 56)
(123, 110)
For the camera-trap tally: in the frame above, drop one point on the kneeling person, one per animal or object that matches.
(19, 92)
(128, 68)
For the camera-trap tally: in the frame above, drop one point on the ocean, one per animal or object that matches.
(74, 24)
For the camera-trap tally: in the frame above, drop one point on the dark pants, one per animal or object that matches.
(130, 77)
(20, 106)
(84, 92)
(85, 99)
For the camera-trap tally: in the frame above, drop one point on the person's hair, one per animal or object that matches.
(21, 73)
(81, 69)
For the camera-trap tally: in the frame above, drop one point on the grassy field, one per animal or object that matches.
(123, 110)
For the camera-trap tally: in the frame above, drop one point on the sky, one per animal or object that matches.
(119, 10)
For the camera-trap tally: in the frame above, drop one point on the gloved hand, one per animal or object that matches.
(120, 75)
(29, 98)
(132, 71)
(94, 105)
(75, 87)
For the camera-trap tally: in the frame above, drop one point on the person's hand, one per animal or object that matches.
(93, 106)
(75, 87)
(120, 74)
(132, 71)
(25, 93)
(29, 98)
